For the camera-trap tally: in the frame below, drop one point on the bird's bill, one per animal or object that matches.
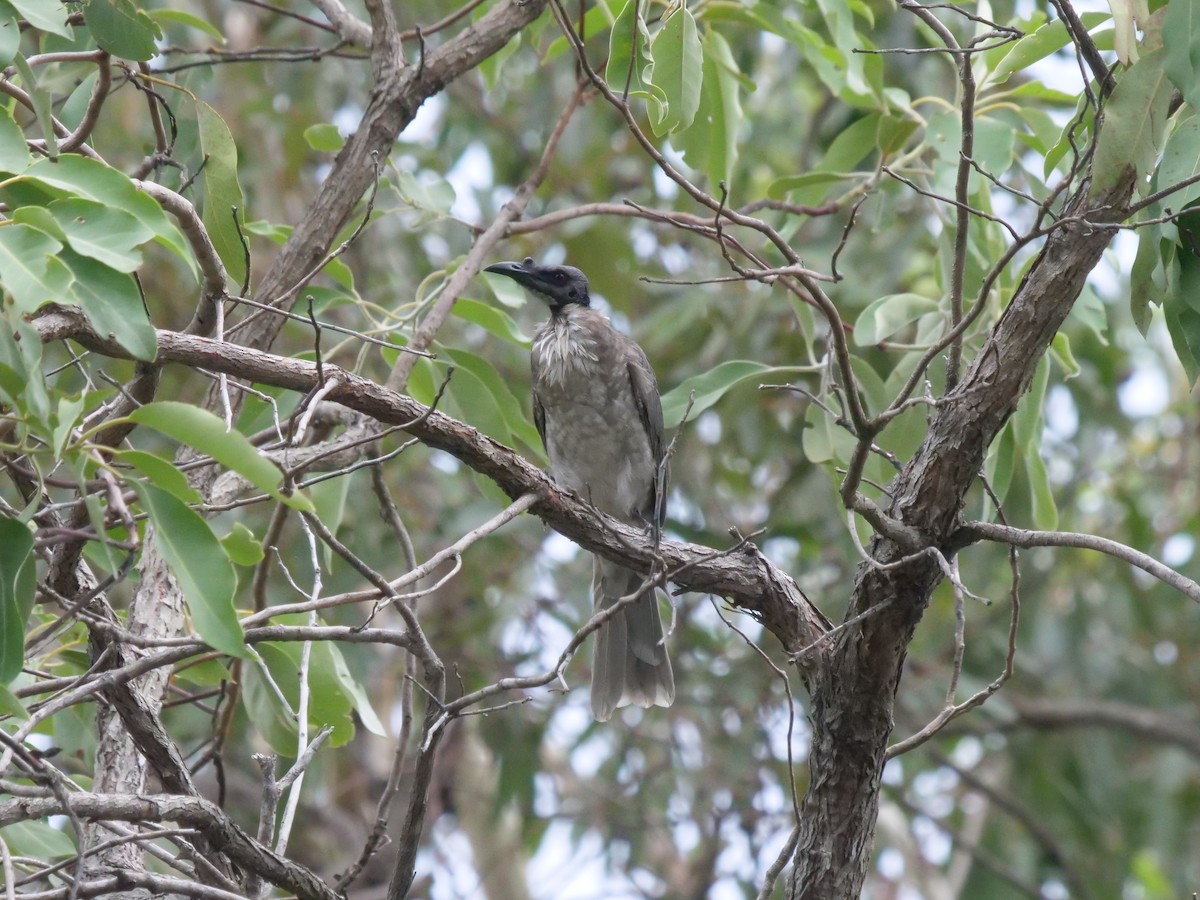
(523, 273)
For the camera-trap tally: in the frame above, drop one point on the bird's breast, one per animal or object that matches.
(565, 349)
(593, 431)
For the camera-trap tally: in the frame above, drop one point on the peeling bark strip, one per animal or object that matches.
(854, 686)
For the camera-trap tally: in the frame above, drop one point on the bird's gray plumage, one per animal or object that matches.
(596, 406)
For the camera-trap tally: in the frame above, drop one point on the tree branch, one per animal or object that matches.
(745, 578)
(222, 833)
(1019, 537)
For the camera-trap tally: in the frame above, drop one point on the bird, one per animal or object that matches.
(597, 408)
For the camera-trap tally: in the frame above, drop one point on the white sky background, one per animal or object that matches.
(561, 871)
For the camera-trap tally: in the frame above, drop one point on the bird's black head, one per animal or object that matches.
(556, 286)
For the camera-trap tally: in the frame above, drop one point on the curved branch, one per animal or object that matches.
(194, 812)
(1147, 724)
(746, 578)
(1019, 537)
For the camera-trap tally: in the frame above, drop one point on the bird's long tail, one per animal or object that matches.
(630, 663)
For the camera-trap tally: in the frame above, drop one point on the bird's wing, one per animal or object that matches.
(539, 412)
(649, 406)
(539, 417)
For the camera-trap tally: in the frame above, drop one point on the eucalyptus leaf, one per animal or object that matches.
(200, 566)
(223, 198)
(203, 431)
(122, 29)
(18, 581)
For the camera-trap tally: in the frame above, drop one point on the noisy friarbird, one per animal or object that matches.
(597, 408)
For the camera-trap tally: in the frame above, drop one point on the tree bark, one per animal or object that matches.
(854, 685)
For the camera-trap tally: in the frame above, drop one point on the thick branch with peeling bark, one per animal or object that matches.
(744, 577)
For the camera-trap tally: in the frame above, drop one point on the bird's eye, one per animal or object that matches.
(560, 278)
(529, 260)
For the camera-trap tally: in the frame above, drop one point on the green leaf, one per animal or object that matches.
(1142, 290)
(93, 180)
(1124, 31)
(1183, 321)
(1134, 121)
(29, 268)
(44, 16)
(486, 399)
(75, 107)
(421, 386)
(492, 68)
(200, 566)
(10, 34)
(1070, 135)
(994, 145)
(329, 703)
(824, 440)
(853, 144)
(494, 321)
(65, 418)
(430, 194)
(354, 690)
(335, 268)
(712, 385)
(329, 498)
(506, 290)
(222, 192)
(1147, 869)
(37, 839)
(18, 582)
(10, 705)
(1045, 511)
(1046, 40)
(1027, 420)
(618, 72)
(122, 29)
(324, 138)
(178, 17)
(14, 154)
(1090, 312)
(893, 133)
(1180, 161)
(242, 547)
(113, 305)
(781, 187)
(1060, 350)
(999, 467)
(21, 372)
(204, 432)
(678, 70)
(884, 317)
(710, 144)
(162, 473)
(268, 716)
(42, 219)
(848, 43)
(208, 673)
(1181, 41)
(42, 104)
(108, 235)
